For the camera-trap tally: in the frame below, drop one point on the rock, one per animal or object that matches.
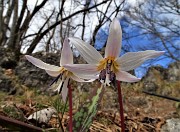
(158, 79)
(155, 74)
(173, 72)
(172, 125)
(34, 77)
(5, 82)
(8, 59)
(150, 86)
(27, 74)
(7, 63)
(30, 75)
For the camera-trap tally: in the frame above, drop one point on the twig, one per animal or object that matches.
(162, 96)
(20, 125)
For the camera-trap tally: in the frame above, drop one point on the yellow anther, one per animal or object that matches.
(115, 66)
(103, 64)
(65, 72)
(62, 69)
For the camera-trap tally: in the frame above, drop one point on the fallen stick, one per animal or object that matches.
(17, 125)
(162, 96)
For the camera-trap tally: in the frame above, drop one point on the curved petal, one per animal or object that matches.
(78, 79)
(66, 54)
(53, 73)
(85, 69)
(113, 46)
(88, 52)
(41, 64)
(65, 89)
(126, 77)
(132, 60)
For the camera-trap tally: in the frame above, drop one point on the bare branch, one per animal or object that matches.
(40, 36)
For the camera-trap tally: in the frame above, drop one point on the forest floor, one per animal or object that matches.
(143, 113)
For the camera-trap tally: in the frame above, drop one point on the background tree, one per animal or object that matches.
(23, 27)
(44, 25)
(158, 22)
(14, 25)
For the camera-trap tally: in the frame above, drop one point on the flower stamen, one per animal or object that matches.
(107, 68)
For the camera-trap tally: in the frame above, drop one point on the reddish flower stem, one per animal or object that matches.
(121, 106)
(70, 108)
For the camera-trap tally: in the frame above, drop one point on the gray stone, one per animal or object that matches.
(172, 125)
(7, 60)
(32, 76)
(150, 86)
(5, 82)
(174, 71)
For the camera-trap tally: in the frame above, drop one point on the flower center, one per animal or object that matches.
(108, 67)
(64, 73)
(60, 79)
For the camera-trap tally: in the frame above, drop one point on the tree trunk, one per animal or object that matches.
(1, 21)
(13, 34)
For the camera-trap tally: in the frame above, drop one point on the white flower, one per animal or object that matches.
(61, 72)
(111, 67)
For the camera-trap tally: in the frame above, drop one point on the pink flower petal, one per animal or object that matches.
(66, 54)
(59, 86)
(53, 73)
(41, 64)
(113, 46)
(88, 52)
(126, 77)
(78, 79)
(84, 69)
(132, 60)
(88, 76)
